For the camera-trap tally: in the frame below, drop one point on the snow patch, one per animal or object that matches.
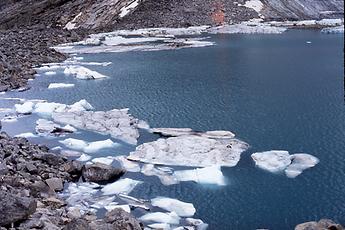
(125, 10)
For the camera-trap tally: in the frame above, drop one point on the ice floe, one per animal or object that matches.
(88, 147)
(181, 208)
(104, 160)
(50, 73)
(59, 85)
(25, 108)
(84, 157)
(45, 127)
(26, 135)
(190, 150)
(279, 161)
(161, 217)
(197, 223)
(247, 28)
(121, 186)
(130, 166)
(166, 177)
(207, 175)
(82, 72)
(175, 132)
(117, 122)
(333, 30)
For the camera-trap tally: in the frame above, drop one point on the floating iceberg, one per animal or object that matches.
(190, 150)
(25, 108)
(88, 147)
(117, 122)
(208, 175)
(166, 178)
(182, 209)
(121, 186)
(130, 166)
(278, 161)
(50, 73)
(81, 72)
(160, 226)
(300, 162)
(104, 160)
(161, 217)
(175, 132)
(59, 85)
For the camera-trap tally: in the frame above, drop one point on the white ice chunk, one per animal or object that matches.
(50, 73)
(161, 226)
(121, 186)
(95, 146)
(181, 208)
(84, 157)
(272, 161)
(26, 135)
(277, 161)
(166, 178)
(191, 150)
(88, 147)
(207, 175)
(130, 166)
(104, 160)
(161, 217)
(59, 85)
(25, 108)
(81, 105)
(197, 223)
(300, 162)
(81, 72)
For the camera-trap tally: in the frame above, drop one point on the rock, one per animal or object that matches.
(74, 168)
(99, 172)
(14, 208)
(323, 224)
(121, 219)
(3, 168)
(77, 224)
(56, 184)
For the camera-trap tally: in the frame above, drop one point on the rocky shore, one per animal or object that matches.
(23, 48)
(31, 176)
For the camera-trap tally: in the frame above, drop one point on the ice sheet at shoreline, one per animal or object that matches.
(190, 150)
(278, 161)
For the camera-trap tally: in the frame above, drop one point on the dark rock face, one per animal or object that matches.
(101, 173)
(302, 9)
(171, 13)
(15, 208)
(323, 224)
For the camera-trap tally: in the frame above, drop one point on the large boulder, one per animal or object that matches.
(121, 219)
(14, 208)
(323, 224)
(99, 172)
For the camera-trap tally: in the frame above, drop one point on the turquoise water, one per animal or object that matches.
(273, 91)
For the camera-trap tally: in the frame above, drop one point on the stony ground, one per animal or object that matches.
(30, 177)
(20, 49)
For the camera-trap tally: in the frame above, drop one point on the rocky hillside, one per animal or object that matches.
(110, 14)
(303, 9)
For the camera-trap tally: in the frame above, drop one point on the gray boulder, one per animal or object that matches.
(14, 208)
(99, 172)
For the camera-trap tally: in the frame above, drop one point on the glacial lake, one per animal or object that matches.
(275, 92)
